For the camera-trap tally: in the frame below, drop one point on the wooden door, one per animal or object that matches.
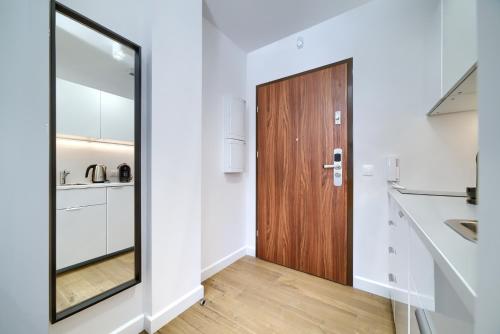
(304, 222)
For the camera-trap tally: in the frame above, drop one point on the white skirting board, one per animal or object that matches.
(161, 318)
(371, 286)
(226, 261)
(133, 326)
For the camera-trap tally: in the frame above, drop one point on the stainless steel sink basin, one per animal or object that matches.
(466, 228)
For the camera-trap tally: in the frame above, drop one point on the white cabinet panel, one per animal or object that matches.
(80, 234)
(117, 117)
(234, 156)
(398, 266)
(78, 110)
(459, 39)
(234, 116)
(421, 271)
(70, 198)
(120, 217)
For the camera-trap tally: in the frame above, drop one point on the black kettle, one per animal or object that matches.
(98, 173)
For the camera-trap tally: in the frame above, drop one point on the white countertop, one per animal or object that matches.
(94, 185)
(455, 255)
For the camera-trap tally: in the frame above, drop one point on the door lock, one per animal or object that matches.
(337, 167)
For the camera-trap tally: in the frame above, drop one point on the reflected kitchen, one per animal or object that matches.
(95, 155)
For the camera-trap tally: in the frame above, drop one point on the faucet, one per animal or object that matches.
(62, 176)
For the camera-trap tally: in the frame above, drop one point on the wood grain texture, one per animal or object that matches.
(303, 221)
(255, 296)
(77, 285)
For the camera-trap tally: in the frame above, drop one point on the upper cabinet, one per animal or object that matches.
(79, 110)
(88, 113)
(117, 117)
(459, 40)
(458, 57)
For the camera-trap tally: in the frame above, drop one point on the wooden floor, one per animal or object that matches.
(75, 286)
(253, 296)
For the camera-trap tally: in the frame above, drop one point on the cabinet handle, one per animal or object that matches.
(422, 322)
(401, 215)
(392, 278)
(392, 250)
(73, 209)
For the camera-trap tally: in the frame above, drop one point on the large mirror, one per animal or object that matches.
(95, 163)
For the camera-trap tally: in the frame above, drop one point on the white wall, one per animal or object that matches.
(176, 125)
(487, 319)
(396, 49)
(24, 204)
(223, 195)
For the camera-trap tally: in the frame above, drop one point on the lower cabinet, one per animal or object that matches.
(398, 266)
(423, 300)
(80, 234)
(120, 218)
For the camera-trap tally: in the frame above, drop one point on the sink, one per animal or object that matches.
(466, 228)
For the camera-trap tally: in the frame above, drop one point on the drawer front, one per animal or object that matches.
(71, 198)
(80, 235)
(421, 271)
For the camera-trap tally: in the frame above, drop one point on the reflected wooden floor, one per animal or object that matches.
(254, 296)
(75, 286)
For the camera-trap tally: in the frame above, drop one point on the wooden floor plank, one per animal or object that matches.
(253, 296)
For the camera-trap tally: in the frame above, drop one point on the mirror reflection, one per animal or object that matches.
(94, 162)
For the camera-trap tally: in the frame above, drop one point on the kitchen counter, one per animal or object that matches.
(94, 185)
(455, 255)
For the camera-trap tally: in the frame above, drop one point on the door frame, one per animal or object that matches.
(350, 148)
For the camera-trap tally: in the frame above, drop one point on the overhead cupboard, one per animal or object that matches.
(88, 113)
(458, 58)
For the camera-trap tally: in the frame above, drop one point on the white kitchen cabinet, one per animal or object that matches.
(78, 110)
(117, 118)
(421, 271)
(459, 44)
(398, 266)
(120, 218)
(80, 234)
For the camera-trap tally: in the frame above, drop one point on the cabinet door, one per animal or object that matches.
(117, 117)
(459, 39)
(120, 218)
(78, 110)
(398, 266)
(81, 235)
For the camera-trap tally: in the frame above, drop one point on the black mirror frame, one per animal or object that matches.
(56, 7)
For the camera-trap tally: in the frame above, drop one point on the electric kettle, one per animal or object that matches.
(98, 173)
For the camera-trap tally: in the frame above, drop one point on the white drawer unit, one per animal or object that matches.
(80, 234)
(70, 198)
(120, 218)
(398, 266)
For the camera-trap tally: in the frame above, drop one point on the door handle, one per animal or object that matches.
(325, 166)
(73, 209)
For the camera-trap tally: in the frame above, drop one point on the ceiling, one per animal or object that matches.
(89, 58)
(252, 24)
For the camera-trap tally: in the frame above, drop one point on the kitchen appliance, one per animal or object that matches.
(98, 173)
(124, 173)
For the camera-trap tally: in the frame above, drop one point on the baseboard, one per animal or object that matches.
(222, 263)
(133, 326)
(251, 251)
(163, 317)
(371, 286)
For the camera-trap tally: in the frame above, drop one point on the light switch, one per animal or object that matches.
(368, 170)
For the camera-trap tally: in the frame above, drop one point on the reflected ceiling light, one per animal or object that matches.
(118, 53)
